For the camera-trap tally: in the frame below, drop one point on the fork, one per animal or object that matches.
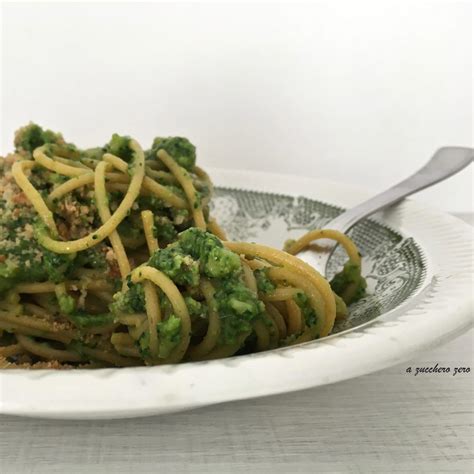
(446, 162)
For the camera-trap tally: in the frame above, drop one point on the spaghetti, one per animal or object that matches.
(108, 257)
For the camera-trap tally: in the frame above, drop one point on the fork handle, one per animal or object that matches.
(446, 162)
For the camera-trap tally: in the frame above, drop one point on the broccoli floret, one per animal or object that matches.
(179, 148)
(238, 307)
(129, 301)
(264, 284)
(307, 310)
(144, 345)
(165, 231)
(215, 260)
(181, 268)
(196, 251)
(32, 136)
(66, 303)
(120, 146)
(169, 336)
(349, 283)
(197, 242)
(221, 262)
(197, 309)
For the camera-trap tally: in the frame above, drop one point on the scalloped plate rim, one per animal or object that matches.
(389, 339)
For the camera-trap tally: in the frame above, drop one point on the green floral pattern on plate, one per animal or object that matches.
(393, 265)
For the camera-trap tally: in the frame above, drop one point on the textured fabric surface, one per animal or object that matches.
(384, 422)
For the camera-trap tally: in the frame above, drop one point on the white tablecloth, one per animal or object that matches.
(384, 422)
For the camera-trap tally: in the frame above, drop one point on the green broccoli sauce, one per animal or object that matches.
(84, 320)
(11, 274)
(179, 216)
(167, 220)
(57, 179)
(264, 284)
(215, 260)
(191, 255)
(165, 231)
(57, 266)
(128, 229)
(169, 336)
(95, 153)
(148, 202)
(197, 199)
(179, 148)
(44, 180)
(120, 146)
(197, 309)
(176, 190)
(180, 267)
(81, 318)
(307, 310)
(91, 258)
(66, 303)
(197, 253)
(220, 262)
(238, 308)
(32, 136)
(24, 259)
(130, 301)
(23, 266)
(349, 283)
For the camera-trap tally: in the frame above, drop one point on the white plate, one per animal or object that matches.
(418, 259)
